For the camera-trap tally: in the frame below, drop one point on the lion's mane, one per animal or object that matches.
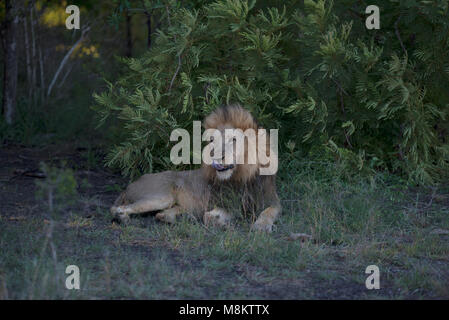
(238, 118)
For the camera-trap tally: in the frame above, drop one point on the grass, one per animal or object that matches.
(354, 223)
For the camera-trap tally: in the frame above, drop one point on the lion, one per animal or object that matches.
(218, 192)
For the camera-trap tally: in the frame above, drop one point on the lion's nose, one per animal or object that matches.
(218, 159)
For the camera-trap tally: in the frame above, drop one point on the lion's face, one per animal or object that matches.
(224, 153)
(229, 152)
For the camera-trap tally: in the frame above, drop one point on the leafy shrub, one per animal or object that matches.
(374, 99)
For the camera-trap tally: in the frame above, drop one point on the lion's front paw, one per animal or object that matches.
(216, 217)
(167, 217)
(121, 218)
(263, 225)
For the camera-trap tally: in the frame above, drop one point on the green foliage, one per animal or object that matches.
(371, 99)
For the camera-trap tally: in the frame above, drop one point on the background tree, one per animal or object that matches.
(58, 69)
(10, 72)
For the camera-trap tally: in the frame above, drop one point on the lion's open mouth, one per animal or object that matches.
(220, 167)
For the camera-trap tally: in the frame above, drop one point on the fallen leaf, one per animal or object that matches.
(17, 218)
(439, 231)
(299, 236)
(115, 225)
(143, 242)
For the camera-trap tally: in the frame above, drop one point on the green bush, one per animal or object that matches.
(373, 99)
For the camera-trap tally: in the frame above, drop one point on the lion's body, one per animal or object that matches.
(204, 192)
(186, 189)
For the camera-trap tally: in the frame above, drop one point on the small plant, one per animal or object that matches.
(59, 188)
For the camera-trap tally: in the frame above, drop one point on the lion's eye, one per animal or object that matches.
(234, 139)
(211, 139)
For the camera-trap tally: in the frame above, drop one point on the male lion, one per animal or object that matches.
(217, 192)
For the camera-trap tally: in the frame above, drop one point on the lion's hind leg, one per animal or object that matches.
(155, 203)
(266, 219)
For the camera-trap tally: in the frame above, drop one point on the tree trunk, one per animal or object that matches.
(28, 58)
(65, 59)
(41, 69)
(33, 53)
(129, 44)
(10, 65)
(149, 30)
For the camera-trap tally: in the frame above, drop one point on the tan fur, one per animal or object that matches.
(200, 192)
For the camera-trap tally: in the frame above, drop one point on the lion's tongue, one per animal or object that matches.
(217, 166)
